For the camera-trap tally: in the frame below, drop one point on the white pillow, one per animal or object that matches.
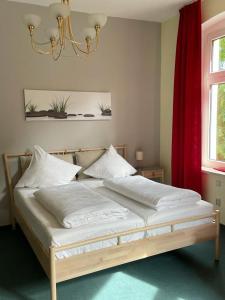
(47, 170)
(110, 165)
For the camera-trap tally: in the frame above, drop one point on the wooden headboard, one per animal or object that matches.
(7, 159)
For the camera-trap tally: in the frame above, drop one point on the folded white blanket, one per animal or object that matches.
(75, 204)
(153, 194)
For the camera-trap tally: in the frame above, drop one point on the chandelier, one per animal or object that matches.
(62, 34)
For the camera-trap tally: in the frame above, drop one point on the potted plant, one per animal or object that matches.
(105, 109)
(58, 108)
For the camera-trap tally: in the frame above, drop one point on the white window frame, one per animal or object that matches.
(210, 33)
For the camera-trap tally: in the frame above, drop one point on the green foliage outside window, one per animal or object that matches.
(221, 108)
(222, 53)
(221, 123)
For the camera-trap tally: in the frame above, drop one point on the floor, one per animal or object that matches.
(186, 274)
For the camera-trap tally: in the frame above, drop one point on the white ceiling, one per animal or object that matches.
(148, 10)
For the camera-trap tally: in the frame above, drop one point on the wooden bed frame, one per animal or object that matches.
(59, 270)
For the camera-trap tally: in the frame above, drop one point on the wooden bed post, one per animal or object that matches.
(10, 190)
(217, 240)
(53, 274)
(125, 152)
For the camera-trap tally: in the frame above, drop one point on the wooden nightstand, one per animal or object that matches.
(153, 173)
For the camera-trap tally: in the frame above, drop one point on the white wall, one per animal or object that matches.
(168, 50)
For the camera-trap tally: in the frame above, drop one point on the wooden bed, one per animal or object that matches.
(59, 270)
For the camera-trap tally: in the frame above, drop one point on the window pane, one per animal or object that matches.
(217, 122)
(218, 55)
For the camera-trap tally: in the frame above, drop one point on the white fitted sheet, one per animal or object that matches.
(50, 232)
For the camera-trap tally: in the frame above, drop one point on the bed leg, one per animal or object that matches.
(217, 239)
(53, 274)
(13, 223)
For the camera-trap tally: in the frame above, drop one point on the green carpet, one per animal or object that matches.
(185, 274)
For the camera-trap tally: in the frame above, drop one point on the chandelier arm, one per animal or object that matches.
(75, 49)
(85, 51)
(96, 46)
(71, 38)
(64, 33)
(58, 56)
(41, 43)
(38, 50)
(77, 44)
(96, 38)
(90, 50)
(35, 45)
(55, 58)
(45, 43)
(60, 22)
(81, 50)
(88, 47)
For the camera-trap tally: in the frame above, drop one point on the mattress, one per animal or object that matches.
(50, 232)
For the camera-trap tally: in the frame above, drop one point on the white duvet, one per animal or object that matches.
(153, 194)
(75, 204)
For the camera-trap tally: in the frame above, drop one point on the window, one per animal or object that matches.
(214, 96)
(218, 54)
(217, 122)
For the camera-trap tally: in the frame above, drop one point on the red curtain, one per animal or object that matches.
(186, 140)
